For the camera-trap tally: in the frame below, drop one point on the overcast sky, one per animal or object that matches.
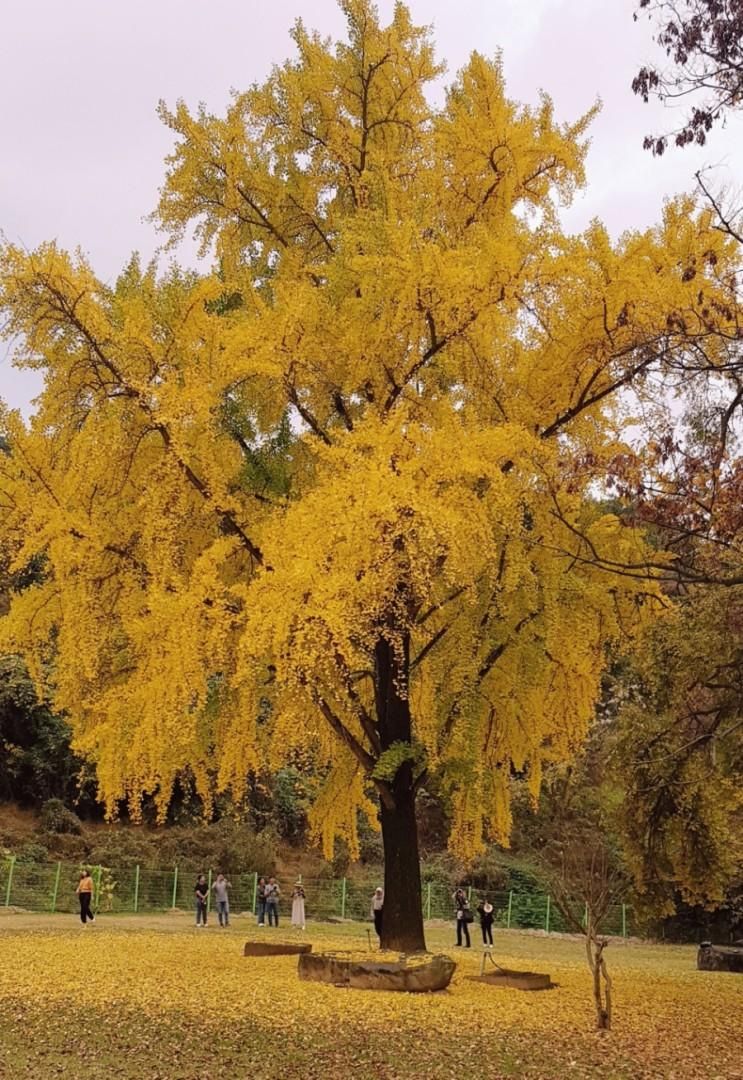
(82, 149)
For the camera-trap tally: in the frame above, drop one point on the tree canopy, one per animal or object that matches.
(339, 493)
(703, 40)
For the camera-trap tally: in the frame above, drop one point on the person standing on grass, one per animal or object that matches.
(201, 894)
(377, 907)
(485, 911)
(221, 887)
(273, 892)
(464, 917)
(84, 892)
(261, 901)
(298, 897)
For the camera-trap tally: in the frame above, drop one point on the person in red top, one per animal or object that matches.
(84, 891)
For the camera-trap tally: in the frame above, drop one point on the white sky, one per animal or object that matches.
(82, 148)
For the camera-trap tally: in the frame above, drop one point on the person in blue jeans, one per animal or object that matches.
(273, 892)
(221, 887)
(261, 901)
(201, 895)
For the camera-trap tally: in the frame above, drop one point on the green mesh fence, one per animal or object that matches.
(50, 887)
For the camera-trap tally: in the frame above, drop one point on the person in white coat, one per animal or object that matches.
(298, 897)
(377, 908)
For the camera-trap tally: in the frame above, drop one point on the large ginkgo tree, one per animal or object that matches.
(342, 495)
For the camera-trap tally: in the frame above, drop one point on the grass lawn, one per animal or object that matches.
(152, 997)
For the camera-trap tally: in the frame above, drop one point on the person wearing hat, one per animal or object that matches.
(298, 905)
(485, 911)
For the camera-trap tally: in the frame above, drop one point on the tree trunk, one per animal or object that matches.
(402, 915)
(601, 994)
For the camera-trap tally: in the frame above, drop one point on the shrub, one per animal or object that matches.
(31, 852)
(289, 804)
(488, 872)
(444, 869)
(66, 847)
(371, 851)
(112, 846)
(227, 845)
(56, 818)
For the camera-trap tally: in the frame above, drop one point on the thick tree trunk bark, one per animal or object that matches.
(402, 915)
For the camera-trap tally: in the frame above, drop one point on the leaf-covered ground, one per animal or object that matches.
(154, 998)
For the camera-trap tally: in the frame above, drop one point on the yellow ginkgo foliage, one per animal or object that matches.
(341, 495)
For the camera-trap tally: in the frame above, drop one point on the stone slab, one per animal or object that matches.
(515, 980)
(431, 975)
(276, 948)
(719, 957)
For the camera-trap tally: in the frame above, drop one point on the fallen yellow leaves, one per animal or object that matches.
(170, 1002)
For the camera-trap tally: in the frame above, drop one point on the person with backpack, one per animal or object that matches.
(485, 911)
(464, 917)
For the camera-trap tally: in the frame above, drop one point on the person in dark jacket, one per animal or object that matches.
(464, 917)
(485, 911)
(201, 895)
(260, 899)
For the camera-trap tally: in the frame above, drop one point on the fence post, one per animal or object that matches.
(469, 894)
(175, 886)
(343, 898)
(428, 901)
(55, 890)
(510, 907)
(11, 867)
(97, 890)
(209, 892)
(624, 920)
(547, 917)
(255, 891)
(136, 889)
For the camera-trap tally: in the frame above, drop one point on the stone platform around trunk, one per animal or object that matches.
(411, 975)
(276, 948)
